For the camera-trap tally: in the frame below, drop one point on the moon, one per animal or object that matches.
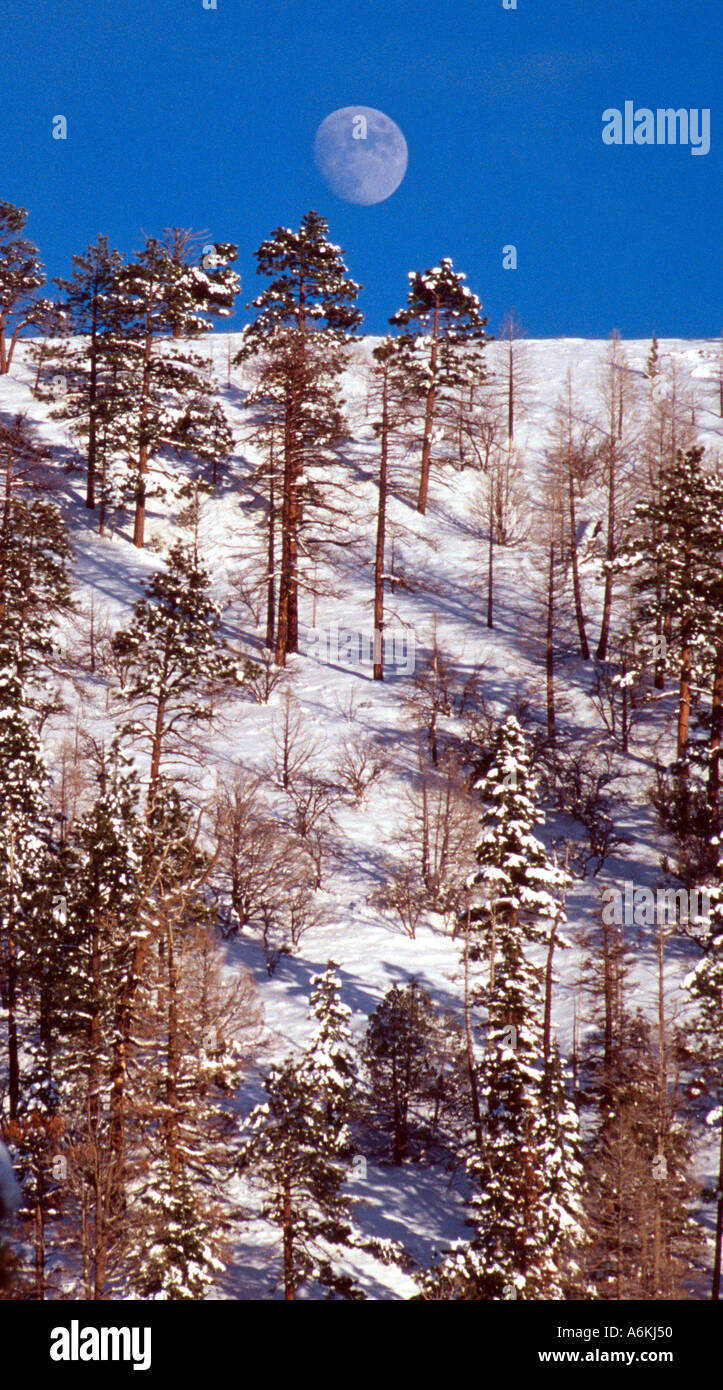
(361, 153)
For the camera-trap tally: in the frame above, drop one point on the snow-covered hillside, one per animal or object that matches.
(437, 591)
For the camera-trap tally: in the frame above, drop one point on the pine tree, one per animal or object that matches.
(89, 396)
(705, 984)
(24, 850)
(156, 383)
(518, 882)
(306, 318)
(151, 1042)
(91, 950)
(637, 1158)
(448, 337)
(526, 1181)
(413, 1060)
(652, 366)
(35, 1135)
(298, 1145)
(178, 1259)
(329, 1065)
(34, 553)
(213, 282)
(192, 1022)
(21, 275)
(174, 661)
(672, 558)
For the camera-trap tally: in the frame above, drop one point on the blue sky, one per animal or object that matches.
(179, 115)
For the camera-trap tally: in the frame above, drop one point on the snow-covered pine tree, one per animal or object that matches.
(516, 882)
(298, 1145)
(21, 276)
(445, 331)
(564, 1181)
(197, 1030)
(329, 1064)
(157, 382)
(94, 939)
(306, 318)
(174, 661)
(24, 853)
(519, 1174)
(707, 583)
(208, 269)
(150, 1041)
(177, 1255)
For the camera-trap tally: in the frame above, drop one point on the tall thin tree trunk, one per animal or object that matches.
(429, 410)
(579, 614)
(12, 1026)
(602, 646)
(550, 645)
(289, 1285)
(271, 560)
(93, 1109)
(93, 405)
(490, 566)
(547, 1023)
(139, 523)
(117, 1137)
(11, 955)
(172, 1062)
(381, 533)
(686, 672)
(658, 1224)
(282, 625)
(156, 750)
(511, 389)
(39, 1216)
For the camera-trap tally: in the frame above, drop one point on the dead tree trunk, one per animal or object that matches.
(577, 593)
(381, 533)
(550, 646)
